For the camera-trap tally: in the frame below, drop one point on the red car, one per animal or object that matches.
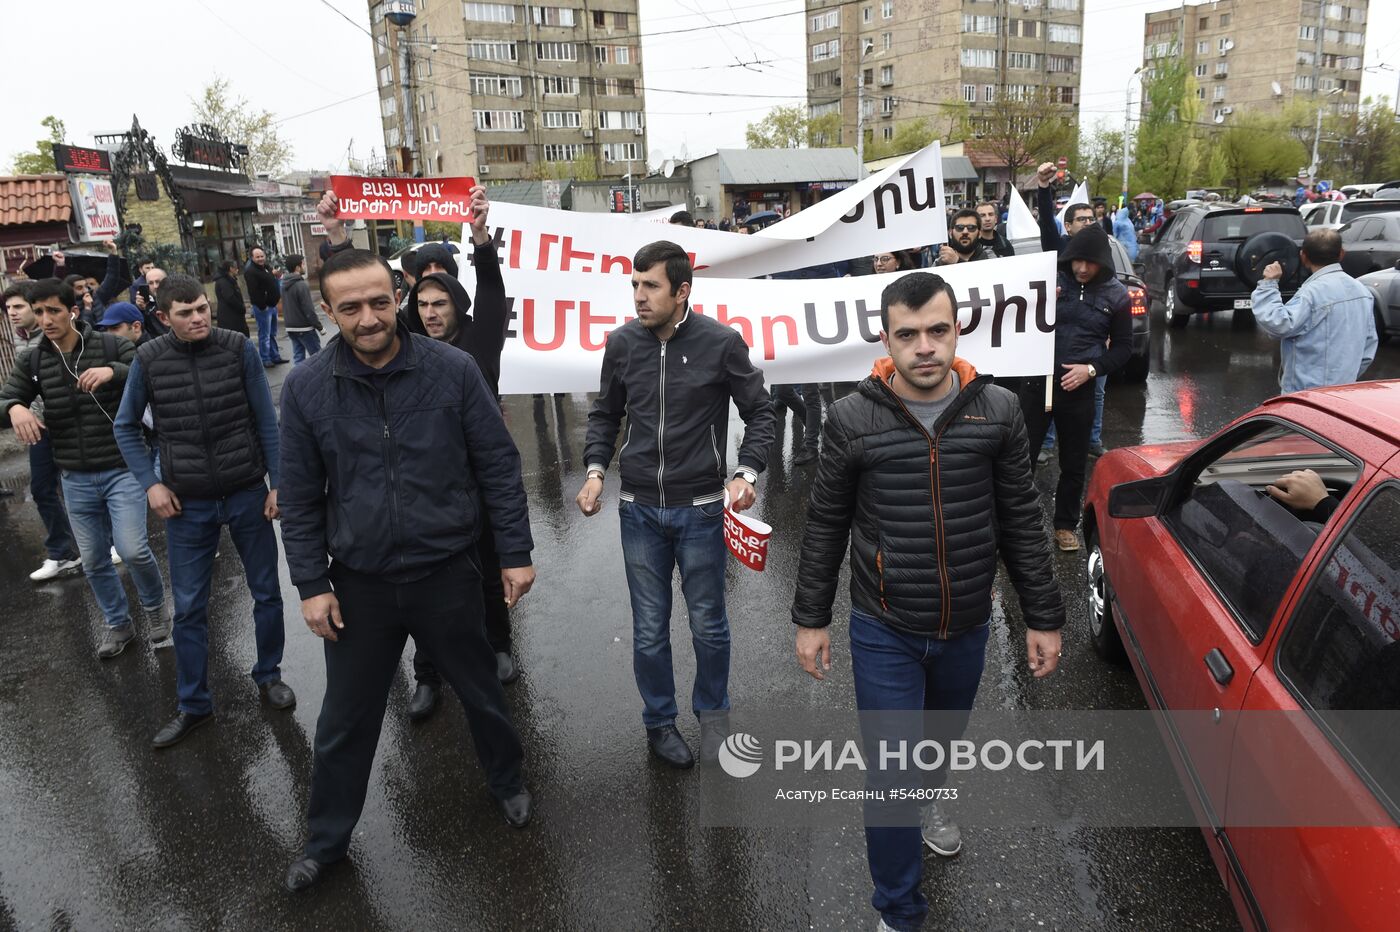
(1225, 600)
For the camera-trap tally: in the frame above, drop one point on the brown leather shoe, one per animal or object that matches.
(1066, 539)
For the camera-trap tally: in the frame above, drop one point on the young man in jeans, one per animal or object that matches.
(80, 374)
(263, 293)
(673, 374)
(299, 312)
(217, 431)
(62, 550)
(925, 470)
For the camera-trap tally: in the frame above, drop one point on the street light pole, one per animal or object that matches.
(1127, 132)
(865, 48)
(1317, 134)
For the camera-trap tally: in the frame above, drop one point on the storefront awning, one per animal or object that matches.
(208, 198)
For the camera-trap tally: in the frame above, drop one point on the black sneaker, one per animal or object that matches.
(1096, 449)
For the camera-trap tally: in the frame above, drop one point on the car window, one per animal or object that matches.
(1247, 544)
(1359, 230)
(1341, 651)
(1241, 226)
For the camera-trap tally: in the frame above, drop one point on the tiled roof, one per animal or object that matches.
(34, 199)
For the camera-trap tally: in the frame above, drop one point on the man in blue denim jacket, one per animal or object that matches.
(1328, 329)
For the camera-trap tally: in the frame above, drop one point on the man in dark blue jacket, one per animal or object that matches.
(392, 446)
(1078, 216)
(1093, 337)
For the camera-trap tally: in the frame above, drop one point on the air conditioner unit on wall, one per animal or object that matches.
(638, 131)
(701, 202)
(588, 134)
(484, 170)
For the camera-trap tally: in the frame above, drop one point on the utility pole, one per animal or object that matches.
(1127, 132)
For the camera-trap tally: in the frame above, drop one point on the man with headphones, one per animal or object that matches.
(80, 374)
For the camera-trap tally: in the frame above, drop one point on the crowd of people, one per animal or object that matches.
(403, 509)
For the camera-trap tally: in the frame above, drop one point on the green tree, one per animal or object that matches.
(790, 128)
(239, 122)
(1256, 149)
(1022, 130)
(909, 136)
(40, 161)
(1168, 147)
(1099, 159)
(1362, 147)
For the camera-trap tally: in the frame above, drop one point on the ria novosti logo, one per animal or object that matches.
(741, 755)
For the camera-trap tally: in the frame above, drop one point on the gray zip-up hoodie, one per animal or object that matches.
(298, 310)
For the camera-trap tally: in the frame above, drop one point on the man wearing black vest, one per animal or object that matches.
(217, 432)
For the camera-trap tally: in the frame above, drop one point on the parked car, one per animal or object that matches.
(1383, 201)
(1226, 601)
(1371, 242)
(1385, 285)
(1198, 262)
(1326, 214)
(396, 260)
(1139, 363)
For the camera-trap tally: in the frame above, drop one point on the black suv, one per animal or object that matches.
(1198, 262)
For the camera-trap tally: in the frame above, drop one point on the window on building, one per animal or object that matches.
(821, 110)
(555, 85)
(1303, 82)
(1025, 61)
(619, 119)
(491, 51)
(1204, 24)
(823, 79)
(1307, 32)
(561, 119)
(490, 12)
(600, 54)
(386, 76)
(563, 152)
(496, 121)
(887, 9)
(497, 85)
(886, 74)
(887, 133)
(622, 152)
(600, 19)
(1202, 47)
(867, 14)
(970, 93)
(391, 137)
(622, 55)
(887, 105)
(1222, 68)
(1306, 58)
(620, 20)
(494, 154)
(1025, 28)
(825, 50)
(425, 68)
(1222, 44)
(1067, 95)
(1061, 64)
(1060, 32)
(1219, 115)
(1225, 19)
(1200, 93)
(989, 92)
(982, 25)
(556, 51)
(1063, 4)
(552, 16)
(824, 21)
(886, 40)
(381, 46)
(388, 107)
(1200, 71)
(979, 58)
(1218, 92)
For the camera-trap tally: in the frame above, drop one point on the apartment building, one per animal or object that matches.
(504, 91)
(958, 58)
(1263, 54)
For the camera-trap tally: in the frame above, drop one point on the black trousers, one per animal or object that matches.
(441, 611)
(812, 431)
(497, 616)
(1073, 415)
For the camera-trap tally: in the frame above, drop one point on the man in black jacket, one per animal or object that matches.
(672, 374)
(232, 313)
(438, 307)
(1078, 216)
(393, 448)
(263, 293)
(965, 243)
(925, 469)
(217, 431)
(80, 374)
(1093, 338)
(989, 216)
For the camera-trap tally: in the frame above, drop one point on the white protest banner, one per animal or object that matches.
(659, 215)
(1080, 195)
(812, 330)
(899, 208)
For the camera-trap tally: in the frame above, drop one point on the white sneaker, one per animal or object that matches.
(116, 557)
(54, 568)
(940, 833)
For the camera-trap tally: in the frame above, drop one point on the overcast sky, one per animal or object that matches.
(314, 69)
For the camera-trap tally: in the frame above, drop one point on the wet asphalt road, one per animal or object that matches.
(101, 832)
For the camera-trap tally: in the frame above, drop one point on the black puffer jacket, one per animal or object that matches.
(1093, 321)
(926, 515)
(263, 290)
(80, 424)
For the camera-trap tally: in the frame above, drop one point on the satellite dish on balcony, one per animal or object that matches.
(668, 167)
(1229, 44)
(1276, 88)
(1220, 118)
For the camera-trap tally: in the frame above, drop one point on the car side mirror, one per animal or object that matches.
(1141, 499)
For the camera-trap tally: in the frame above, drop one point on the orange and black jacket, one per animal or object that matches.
(926, 513)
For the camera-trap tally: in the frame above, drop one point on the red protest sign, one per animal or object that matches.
(747, 538)
(446, 199)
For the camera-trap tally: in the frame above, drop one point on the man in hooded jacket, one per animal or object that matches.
(439, 307)
(1093, 337)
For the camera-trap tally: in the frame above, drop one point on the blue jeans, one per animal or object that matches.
(654, 542)
(908, 673)
(305, 344)
(1096, 434)
(43, 486)
(193, 539)
(266, 318)
(108, 509)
